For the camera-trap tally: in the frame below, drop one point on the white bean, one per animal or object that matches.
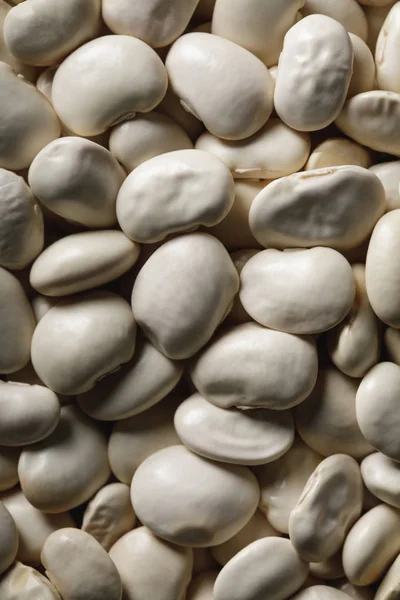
(381, 475)
(9, 539)
(21, 582)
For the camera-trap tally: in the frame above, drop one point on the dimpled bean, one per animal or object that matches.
(79, 325)
(231, 108)
(79, 567)
(382, 271)
(82, 261)
(191, 275)
(66, 468)
(150, 567)
(336, 152)
(387, 68)
(314, 74)
(232, 435)
(192, 501)
(282, 482)
(109, 514)
(256, 25)
(274, 151)
(78, 180)
(327, 421)
(389, 174)
(42, 32)
(137, 140)
(300, 291)
(201, 587)
(89, 105)
(268, 568)
(320, 592)
(371, 545)
(174, 192)
(21, 582)
(9, 539)
(329, 505)
(21, 222)
(377, 403)
(346, 12)
(16, 325)
(381, 475)
(336, 207)
(251, 366)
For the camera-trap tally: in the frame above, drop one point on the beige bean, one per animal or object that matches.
(172, 107)
(201, 587)
(79, 567)
(371, 545)
(336, 152)
(389, 174)
(309, 291)
(268, 568)
(389, 587)
(329, 505)
(203, 561)
(381, 475)
(320, 592)
(238, 315)
(9, 539)
(346, 12)
(363, 77)
(78, 180)
(330, 569)
(90, 105)
(238, 106)
(327, 421)
(33, 526)
(387, 69)
(228, 496)
(251, 366)
(355, 592)
(376, 12)
(169, 285)
(392, 344)
(21, 582)
(26, 70)
(16, 326)
(8, 467)
(336, 207)
(68, 467)
(150, 567)
(41, 305)
(282, 482)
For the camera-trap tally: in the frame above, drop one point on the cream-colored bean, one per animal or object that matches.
(329, 505)
(371, 545)
(227, 494)
(354, 344)
(301, 291)
(109, 515)
(249, 437)
(373, 119)
(320, 592)
(16, 326)
(382, 272)
(77, 327)
(27, 121)
(238, 315)
(146, 136)
(78, 180)
(40, 306)
(79, 567)
(28, 413)
(33, 526)
(274, 151)
(355, 592)
(347, 12)
(389, 588)
(142, 382)
(9, 539)
(254, 367)
(90, 105)
(172, 107)
(234, 231)
(387, 69)
(282, 482)
(336, 152)
(314, 73)
(392, 344)
(157, 22)
(185, 189)
(376, 12)
(68, 467)
(231, 108)
(150, 567)
(133, 440)
(190, 275)
(377, 407)
(256, 529)
(389, 174)
(26, 70)
(363, 78)
(256, 25)
(336, 207)
(43, 32)
(268, 568)
(201, 587)
(21, 222)
(381, 475)
(82, 261)
(21, 582)
(8, 467)
(327, 421)
(330, 569)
